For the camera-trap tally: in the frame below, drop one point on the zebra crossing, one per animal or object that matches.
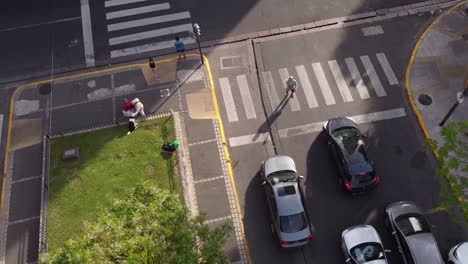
(139, 26)
(345, 76)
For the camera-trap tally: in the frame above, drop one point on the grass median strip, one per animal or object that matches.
(109, 163)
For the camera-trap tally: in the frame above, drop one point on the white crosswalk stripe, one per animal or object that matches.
(306, 86)
(323, 83)
(124, 26)
(293, 102)
(357, 79)
(270, 87)
(387, 68)
(340, 81)
(246, 97)
(370, 71)
(228, 99)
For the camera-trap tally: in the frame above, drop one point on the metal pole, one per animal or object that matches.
(452, 109)
(199, 48)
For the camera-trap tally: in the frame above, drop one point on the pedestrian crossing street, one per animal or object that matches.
(358, 74)
(139, 26)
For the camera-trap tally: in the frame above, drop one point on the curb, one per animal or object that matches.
(410, 95)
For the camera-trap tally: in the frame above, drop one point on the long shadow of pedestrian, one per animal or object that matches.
(265, 127)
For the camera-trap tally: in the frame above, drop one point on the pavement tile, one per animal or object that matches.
(230, 246)
(212, 199)
(205, 161)
(27, 162)
(199, 129)
(82, 90)
(129, 81)
(23, 242)
(25, 206)
(424, 75)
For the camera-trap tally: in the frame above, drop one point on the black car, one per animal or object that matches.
(345, 142)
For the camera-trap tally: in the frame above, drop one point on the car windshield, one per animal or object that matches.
(366, 252)
(346, 134)
(282, 176)
(411, 224)
(293, 223)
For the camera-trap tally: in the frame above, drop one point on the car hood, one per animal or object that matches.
(424, 248)
(278, 163)
(356, 235)
(304, 233)
(339, 122)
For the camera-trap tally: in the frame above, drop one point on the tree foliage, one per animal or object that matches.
(148, 226)
(453, 161)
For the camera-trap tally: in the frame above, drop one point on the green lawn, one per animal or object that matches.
(110, 162)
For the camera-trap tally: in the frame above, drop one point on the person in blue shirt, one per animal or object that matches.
(180, 47)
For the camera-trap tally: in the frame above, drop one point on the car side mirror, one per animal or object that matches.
(388, 251)
(363, 136)
(433, 226)
(348, 260)
(301, 177)
(263, 182)
(394, 232)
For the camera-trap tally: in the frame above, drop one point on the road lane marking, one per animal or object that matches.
(249, 139)
(218, 219)
(370, 71)
(340, 81)
(138, 10)
(87, 33)
(228, 99)
(293, 102)
(270, 87)
(147, 48)
(150, 34)
(148, 21)
(210, 179)
(387, 68)
(357, 79)
(306, 86)
(1, 127)
(371, 31)
(315, 127)
(120, 2)
(323, 83)
(246, 97)
(40, 24)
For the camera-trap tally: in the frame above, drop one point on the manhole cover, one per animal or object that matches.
(425, 99)
(164, 92)
(45, 88)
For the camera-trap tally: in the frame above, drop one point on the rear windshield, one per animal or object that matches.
(411, 224)
(364, 253)
(293, 223)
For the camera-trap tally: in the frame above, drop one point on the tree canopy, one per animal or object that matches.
(149, 225)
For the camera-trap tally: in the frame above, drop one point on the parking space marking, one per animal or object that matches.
(202, 142)
(210, 179)
(357, 79)
(228, 99)
(323, 83)
(370, 71)
(218, 219)
(248, 139)
(293, 102)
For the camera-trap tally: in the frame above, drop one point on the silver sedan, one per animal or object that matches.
(362, 244)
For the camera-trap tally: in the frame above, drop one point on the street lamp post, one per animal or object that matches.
(460, 97)
(196, 30)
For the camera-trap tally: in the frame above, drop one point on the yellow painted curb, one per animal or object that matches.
(19, 88)
(408, 89)
(226, 154)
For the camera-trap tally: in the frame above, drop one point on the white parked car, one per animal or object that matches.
(362, 244)
(459, 254)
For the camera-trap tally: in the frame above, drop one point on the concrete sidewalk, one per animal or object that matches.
(437, 69)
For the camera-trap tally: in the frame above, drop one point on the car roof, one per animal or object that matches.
(289, 202)
(356, 235)
(424, 248)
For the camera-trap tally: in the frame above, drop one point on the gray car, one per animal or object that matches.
(285, 200)
(412, 233)
(362, 245)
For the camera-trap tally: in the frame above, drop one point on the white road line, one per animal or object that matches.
(228, 99)
(147, 48)
(316, 127)
(370, 31)
(387, 68)
(210, 179)
(249, 139)
(87, 33)
(148, 21)
(370, 71)
(340, 81)
(270, 87)
(150, 34)
(360, 119)
(41, 24)
(1, 127)
(218, 219)
(138, 10)
(357, 79)
(202, 142)
(293, 102)
(323, 83)
(120, 2)
(306, 86)
(246, 97)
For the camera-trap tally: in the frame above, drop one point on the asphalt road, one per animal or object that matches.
(405, 167)
(49, 37)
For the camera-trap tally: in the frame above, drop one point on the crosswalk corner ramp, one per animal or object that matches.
(165, 71)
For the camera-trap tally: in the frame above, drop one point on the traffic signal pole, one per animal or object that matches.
(197, 32)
